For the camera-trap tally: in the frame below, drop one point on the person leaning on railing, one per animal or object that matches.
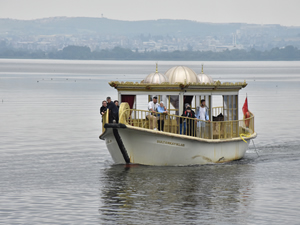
(103, 109)
(152, 107)
(161, 109)
(113, 111)
(190, 123)
(182, 126)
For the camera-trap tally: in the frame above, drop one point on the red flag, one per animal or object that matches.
(245, 107)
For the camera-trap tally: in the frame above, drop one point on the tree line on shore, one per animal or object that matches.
(288, 53)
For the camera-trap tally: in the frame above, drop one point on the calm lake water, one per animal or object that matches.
(55, 170)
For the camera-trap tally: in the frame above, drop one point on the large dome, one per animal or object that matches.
(204, 78)
(155, 78)
(181, 74)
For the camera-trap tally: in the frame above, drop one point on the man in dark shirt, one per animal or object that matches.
(113, 111)
(117, 103)
(103, 108)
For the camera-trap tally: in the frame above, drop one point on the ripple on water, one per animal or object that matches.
(54, 169)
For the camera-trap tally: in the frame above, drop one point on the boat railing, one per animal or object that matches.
(175, 124)
(105, 119)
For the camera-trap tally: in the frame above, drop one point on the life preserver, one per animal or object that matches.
(247, 122)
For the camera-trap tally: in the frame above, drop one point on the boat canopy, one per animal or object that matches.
(179, 94)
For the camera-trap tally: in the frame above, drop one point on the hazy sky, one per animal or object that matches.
(285, 12)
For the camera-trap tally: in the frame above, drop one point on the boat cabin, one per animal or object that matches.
(177, 87)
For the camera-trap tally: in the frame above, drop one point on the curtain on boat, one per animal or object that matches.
(230, 107)
(129, 99)
(174, 99)
(188, 99)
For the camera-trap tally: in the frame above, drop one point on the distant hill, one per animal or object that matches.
(104, 26)
(289, 53)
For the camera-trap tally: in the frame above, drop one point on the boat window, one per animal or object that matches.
(230, 107)
(217, 108)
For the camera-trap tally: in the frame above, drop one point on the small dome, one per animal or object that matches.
(181, 74)
(205, 78)
(155, 78)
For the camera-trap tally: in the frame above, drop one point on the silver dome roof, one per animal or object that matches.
(181, 74)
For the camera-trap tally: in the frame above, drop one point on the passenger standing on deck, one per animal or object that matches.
(117, 103)
(152, 107)
(190, 124)
(161, 117)
(113, 111)
(182, 126)
(103, 109)
(202, 114)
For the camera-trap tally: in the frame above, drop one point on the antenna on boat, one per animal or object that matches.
(202, 69)
(156, 67)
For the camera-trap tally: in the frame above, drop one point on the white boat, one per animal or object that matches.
(182, 142)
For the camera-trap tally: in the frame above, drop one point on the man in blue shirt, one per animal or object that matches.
(161, 122)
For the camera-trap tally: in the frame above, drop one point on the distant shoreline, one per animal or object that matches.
(288, 53)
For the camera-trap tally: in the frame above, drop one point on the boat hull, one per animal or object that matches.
(128, 144)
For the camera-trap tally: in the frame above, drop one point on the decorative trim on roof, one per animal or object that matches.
(216, 84)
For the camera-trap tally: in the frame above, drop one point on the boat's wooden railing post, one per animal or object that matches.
(105, 119)
(220, 124)
(231, 129)
(195, 127)
(251, 123)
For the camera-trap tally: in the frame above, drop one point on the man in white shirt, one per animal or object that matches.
(152, 107)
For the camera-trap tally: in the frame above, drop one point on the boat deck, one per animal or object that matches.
(179, 125)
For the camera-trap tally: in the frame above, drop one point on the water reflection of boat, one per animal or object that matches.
(182, 194)
(218, 140)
